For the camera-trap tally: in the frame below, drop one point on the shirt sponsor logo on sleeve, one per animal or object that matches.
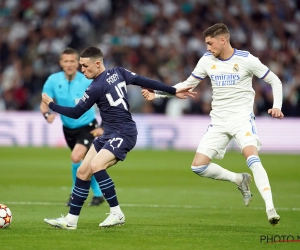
(85, 97)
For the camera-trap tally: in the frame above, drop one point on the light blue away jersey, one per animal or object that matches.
(67, 93)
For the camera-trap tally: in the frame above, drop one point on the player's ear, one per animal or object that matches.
(222, 40)
(98, 64)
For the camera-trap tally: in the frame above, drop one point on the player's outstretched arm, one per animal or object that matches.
(183, 90)
(148, 83)
(276, 113)
(181, 93)
(72, 112)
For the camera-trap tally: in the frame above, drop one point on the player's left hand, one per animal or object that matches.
(183, 93)
(276, 113)
(148, 94)
(97, 132)
(46, 99)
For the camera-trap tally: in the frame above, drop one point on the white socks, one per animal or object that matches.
(116, 210)
(261, 180)
(215, 171)
(72, 219)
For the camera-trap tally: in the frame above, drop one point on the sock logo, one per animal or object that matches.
(266, 189)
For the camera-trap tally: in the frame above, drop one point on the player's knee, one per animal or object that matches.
(96, 167)
(82, 174)
(76, 158)
(199, 170)
(250, 149)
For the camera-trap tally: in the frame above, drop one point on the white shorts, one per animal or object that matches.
(213, 144)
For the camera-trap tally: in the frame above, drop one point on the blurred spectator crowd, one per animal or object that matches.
(160, 39)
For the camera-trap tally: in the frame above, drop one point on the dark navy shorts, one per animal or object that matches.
(117, 143)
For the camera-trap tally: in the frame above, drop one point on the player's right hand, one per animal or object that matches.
(148, 94)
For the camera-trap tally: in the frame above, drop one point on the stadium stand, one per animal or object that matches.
(161, 39)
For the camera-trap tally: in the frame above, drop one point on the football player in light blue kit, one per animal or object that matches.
(67, 87)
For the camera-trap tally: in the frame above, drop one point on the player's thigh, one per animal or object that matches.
(103, 160)
(245, 134)
(214, 142)
(84, 171)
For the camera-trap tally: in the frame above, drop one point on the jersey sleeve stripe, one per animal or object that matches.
(265, 74)
(198, 77)
(241, 53)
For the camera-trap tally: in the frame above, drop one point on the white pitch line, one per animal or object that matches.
(151, 206)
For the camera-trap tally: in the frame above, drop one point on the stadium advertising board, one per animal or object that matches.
(155, 131)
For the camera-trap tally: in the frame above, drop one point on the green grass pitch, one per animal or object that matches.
(166, 205)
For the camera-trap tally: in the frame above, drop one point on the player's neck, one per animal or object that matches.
(227, 53)
(101, 70)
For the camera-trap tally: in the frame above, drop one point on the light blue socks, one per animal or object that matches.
(95, 187)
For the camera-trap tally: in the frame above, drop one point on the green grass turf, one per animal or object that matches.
(166, 205)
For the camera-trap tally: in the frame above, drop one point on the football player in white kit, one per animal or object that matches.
(232, 117)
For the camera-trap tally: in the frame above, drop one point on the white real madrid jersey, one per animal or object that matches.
(231, 80)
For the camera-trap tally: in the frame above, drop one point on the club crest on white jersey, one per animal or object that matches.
(236, 68)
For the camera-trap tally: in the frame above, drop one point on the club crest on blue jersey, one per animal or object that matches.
(236, 68)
